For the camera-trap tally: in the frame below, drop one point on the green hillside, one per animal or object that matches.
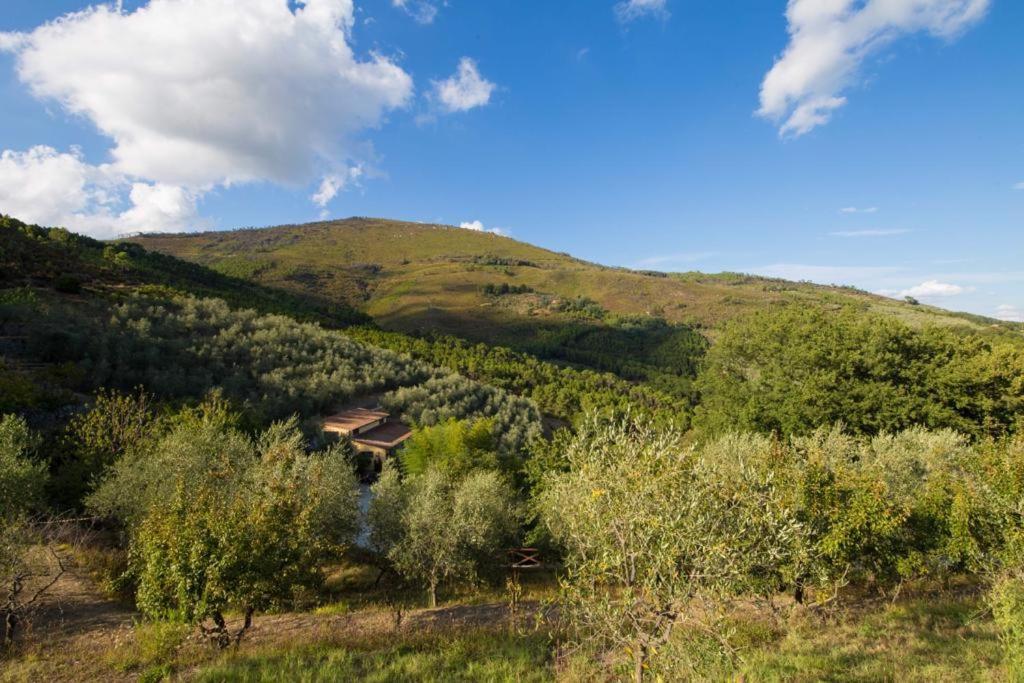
(412, 276)
(77, 314)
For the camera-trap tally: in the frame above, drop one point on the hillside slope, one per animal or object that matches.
(412, 276)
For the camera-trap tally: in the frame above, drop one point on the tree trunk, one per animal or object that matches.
(380, 575)
(10, 625)
(639, 659)
(433, 593)
(246, 625)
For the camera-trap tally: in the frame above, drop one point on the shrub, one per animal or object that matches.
(792, 369)
(456, 447)
(67, 284)
(242, 525)
(650, 529)
(449, 530)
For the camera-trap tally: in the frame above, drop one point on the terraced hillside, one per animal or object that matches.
(482, 286)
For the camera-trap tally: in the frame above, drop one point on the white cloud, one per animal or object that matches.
(1010, 313)
(42, 185)
(831, 39)
(1019, 186)
(334, 183)
(200, 94)
(421, 11)
(160, 207)
(466, 89)
(630, 10)
(868, 233)
(854, 209)
(479, 227)
(932, 289)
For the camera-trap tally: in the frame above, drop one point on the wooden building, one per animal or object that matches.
(371, 432)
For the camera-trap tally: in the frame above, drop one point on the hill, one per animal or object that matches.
(412, 276)
(431, 280)
(77, 314)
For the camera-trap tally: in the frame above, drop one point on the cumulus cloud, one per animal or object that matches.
(932, 289)
(160, 207)
(1010, 313)
(422, 11)
(197, 94)
(631, 10)
(868, 233)
(334, 183)
(466, 89)
(479, 227)
(831, 39)
(854, 209)
(42, 185)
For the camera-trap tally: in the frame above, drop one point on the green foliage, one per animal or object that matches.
(384, 516)
(455, 447)
(793, 369)
(649, 528)
(514, 421)
(559, 391)
(115, 425)
(491, 289)
(451, 530)
(21, 483)
(1006, 600)
(248, 525)
(21, 477)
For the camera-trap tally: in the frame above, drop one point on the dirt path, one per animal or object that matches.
(70, 633)
(72, 636)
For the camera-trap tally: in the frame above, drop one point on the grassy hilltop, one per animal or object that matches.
(412, 276)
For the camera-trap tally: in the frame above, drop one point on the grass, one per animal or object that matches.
(927, 637)
(481, 655)
(150, 648)
(924, 639)
(411, 276)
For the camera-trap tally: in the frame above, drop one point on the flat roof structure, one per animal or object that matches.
(387, 436)
(348, 421)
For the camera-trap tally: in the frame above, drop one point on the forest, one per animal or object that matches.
(708, 509)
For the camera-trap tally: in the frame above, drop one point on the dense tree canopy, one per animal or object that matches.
(790, 370)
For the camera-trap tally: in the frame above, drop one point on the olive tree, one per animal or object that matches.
(438, 529)
(651, 529)
(247, 529)
(21, 560)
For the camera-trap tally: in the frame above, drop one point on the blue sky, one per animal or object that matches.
(627, 133)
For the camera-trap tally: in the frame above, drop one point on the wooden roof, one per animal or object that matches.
(388, 435)
(349, 420)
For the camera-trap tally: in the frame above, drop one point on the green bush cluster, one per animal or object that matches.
(559, 391)
(218, 520)
(790, 370)
(656, 532)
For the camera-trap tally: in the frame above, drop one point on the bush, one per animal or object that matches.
(792, 369)
(67, 284)
(455, 447)
(439, 530)
(219, 522)
(1006, 600)
(649, 529)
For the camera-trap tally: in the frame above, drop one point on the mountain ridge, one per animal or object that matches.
(423, 276)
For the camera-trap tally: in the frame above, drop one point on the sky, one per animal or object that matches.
(875, 143)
